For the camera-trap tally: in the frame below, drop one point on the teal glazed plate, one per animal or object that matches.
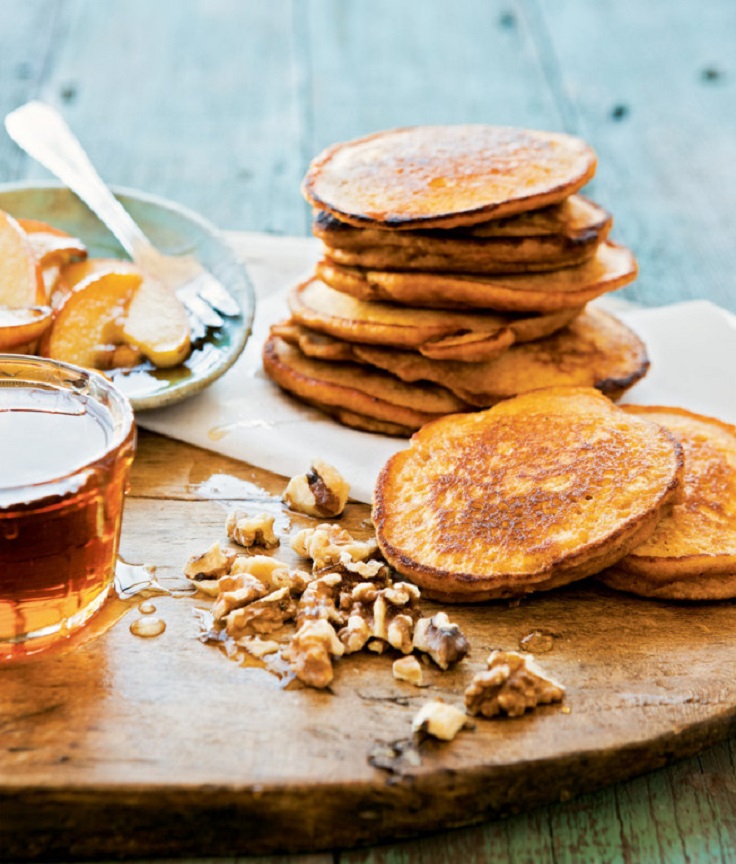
(175, 231)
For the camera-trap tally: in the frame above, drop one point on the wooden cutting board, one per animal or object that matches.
(124, 746)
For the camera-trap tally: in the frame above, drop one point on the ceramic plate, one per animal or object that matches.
(176, 231)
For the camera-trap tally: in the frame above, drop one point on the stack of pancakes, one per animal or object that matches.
(458, 264)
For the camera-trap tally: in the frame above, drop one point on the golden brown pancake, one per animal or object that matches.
(611, 267)
(595, 350)
(541, 490)
(562, 235)
(365, 424)
(692, 553)
(348, 389)
(446, 176)
(468, 336)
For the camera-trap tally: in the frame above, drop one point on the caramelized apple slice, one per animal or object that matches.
(22, 327)
(21, 283)
(89, 319)
(72, 274)
(156, 323)
(53, 248)
(52, 245)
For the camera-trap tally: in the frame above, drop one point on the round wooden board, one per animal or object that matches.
(159, 747)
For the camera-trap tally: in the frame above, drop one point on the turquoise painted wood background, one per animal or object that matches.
(220, 104)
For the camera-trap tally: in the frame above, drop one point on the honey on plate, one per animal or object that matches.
(66, 445)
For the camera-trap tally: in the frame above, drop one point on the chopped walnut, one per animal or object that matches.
(258, 647)
(439, 720)
(319, 601)
(328, 545)
(323, 491)
(394, 614)
(409, 669)
(210, 587)
(442, 640)
(262, 616)
(311, 651)
(245, 590)
(251, 530)
(210, 564)
(511, 685)
(389, 613)
(274, 574)
(354, 634)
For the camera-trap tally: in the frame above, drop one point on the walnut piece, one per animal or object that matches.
(409, 669)
(274, 574)
(210, 587)
(439, 720)
(210, 564)
(251, 530)
(512, 684)
(322, 491)
(328, 545)
(389, 613)
(442, 640)
(242, 590)
(354, 634)
(262, 616)
(258, 647)
(311, 651)
(319, 601)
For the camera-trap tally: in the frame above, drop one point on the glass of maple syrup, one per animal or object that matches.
(67, 439)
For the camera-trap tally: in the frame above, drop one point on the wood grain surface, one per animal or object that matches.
(124, 746)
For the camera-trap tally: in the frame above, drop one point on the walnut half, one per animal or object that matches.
(322, 491)
(511, 685)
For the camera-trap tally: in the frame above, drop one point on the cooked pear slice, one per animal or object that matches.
(21, 282)
(89, 319)
(156, 323)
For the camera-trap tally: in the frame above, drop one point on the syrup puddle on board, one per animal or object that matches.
(148, 626)
(537, 642)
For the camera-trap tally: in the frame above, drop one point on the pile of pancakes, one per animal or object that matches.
(458, 261)
(553, 486)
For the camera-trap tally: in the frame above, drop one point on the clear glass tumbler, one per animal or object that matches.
(67, 439)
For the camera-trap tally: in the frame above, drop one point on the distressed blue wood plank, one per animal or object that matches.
(383, 64)
(196, 100)
(653, 87)
(29, 35)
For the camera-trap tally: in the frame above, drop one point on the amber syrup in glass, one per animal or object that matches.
(66, 445)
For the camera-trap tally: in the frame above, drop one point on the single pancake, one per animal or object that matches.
(445, 176)
(610, 268)
(347, 387)
(692, 553)
(541, 490)
(595, 350)
(468, 336)
(562, 235)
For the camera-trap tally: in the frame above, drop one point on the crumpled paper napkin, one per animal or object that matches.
(691, 345)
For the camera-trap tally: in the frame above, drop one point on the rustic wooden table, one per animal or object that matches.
(219, 104)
